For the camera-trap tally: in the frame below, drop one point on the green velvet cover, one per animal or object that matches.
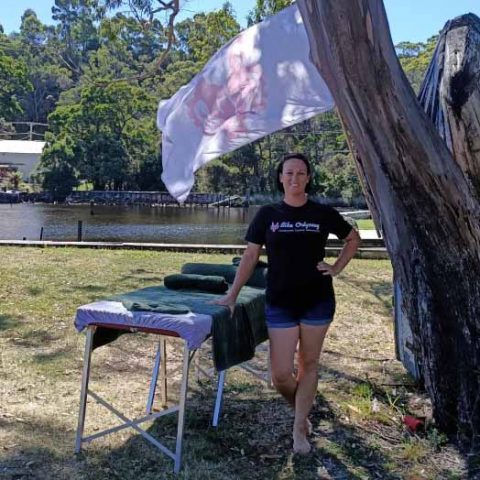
(203, 283)
(219, 269)
(155, 306)
(234, 338)
(257, 279)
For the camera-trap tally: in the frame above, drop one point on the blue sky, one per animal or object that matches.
(410, 20)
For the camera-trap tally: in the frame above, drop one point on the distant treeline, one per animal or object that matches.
(91, 78)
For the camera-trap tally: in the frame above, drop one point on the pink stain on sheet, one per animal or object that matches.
(226, 107)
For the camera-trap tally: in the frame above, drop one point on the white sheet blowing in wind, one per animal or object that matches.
(258, 83)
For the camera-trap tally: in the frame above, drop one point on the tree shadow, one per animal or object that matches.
(8, 322)
(140, 271)
(144, 278)
(35, 291)
(474, 464)
(38, 459)
(253, 441)
(379, 289)
(36, 338)
(90, 288)
(355, 357)
(53, 356)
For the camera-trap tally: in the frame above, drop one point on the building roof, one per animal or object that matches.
(21, 146)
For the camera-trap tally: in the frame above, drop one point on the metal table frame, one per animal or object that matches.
(158, 369)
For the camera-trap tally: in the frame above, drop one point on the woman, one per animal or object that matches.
(300, 302)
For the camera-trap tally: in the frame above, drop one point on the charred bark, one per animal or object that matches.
(429, 217)
(450, 93)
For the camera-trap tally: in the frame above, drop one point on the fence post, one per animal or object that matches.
(79, 231)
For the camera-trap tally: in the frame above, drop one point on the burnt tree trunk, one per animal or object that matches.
(450, 93)
(429, 217)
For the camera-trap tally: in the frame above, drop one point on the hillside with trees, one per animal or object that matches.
(93, 77)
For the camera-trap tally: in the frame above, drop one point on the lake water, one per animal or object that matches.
(126, 223)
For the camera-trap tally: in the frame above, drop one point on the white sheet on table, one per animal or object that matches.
(192, 327)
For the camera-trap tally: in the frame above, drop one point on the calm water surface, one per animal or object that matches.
(125, 223)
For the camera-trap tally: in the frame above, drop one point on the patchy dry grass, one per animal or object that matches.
(365, 224)
(362, 395)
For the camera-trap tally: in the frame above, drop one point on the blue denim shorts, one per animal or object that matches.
(320, 314)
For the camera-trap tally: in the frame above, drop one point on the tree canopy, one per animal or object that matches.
(13, 84)
(93, 76)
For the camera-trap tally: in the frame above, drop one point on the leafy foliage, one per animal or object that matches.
(105, 135)
(85, 77)
(415, 58)
(200, 37)
(13, 83)
(266, 8)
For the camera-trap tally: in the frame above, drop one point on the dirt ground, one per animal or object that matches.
(363, 394)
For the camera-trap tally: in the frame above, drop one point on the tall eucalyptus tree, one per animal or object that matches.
(419, 195)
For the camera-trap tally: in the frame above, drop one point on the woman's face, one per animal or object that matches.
(294, 176)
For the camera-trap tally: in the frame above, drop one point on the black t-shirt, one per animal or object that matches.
(295, 239)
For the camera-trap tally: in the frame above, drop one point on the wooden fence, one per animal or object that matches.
(142, 198)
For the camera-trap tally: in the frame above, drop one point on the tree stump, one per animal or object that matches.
(450, 93)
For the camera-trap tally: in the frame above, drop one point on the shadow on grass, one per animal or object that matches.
(339, 374)
(252, 442)
(127, 283)
(36, 338)
(356, 357)
(382, 291)
(380, 391)
(53, 356)
(35, 291)
(34, 454)
(154, 280)
(91, 288)
(140, 271)
(7, 322)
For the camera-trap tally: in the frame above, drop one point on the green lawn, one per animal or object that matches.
(365, 224)
(362, 394)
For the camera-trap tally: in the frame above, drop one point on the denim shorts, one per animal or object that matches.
(320, 314)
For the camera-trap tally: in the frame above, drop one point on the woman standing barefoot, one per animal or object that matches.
(300, 300)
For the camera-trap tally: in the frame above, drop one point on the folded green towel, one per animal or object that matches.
(203, 283)
(158, 307)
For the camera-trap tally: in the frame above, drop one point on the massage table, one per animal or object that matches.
(234, 340)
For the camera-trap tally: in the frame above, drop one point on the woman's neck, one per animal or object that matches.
(295, 200)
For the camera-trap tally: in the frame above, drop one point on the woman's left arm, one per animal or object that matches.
(352, 242)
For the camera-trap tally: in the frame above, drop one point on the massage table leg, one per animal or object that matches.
(84, 389)
(181, 411)
(160, 364)
(180, 408)
(163, 370)
(218, 399)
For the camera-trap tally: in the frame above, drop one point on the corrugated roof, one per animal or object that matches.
(21, 146)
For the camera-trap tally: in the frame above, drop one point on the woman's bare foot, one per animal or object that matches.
(300, 442)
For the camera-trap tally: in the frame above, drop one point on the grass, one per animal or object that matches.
(84, 187)
(362, 394)
(365, 224)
